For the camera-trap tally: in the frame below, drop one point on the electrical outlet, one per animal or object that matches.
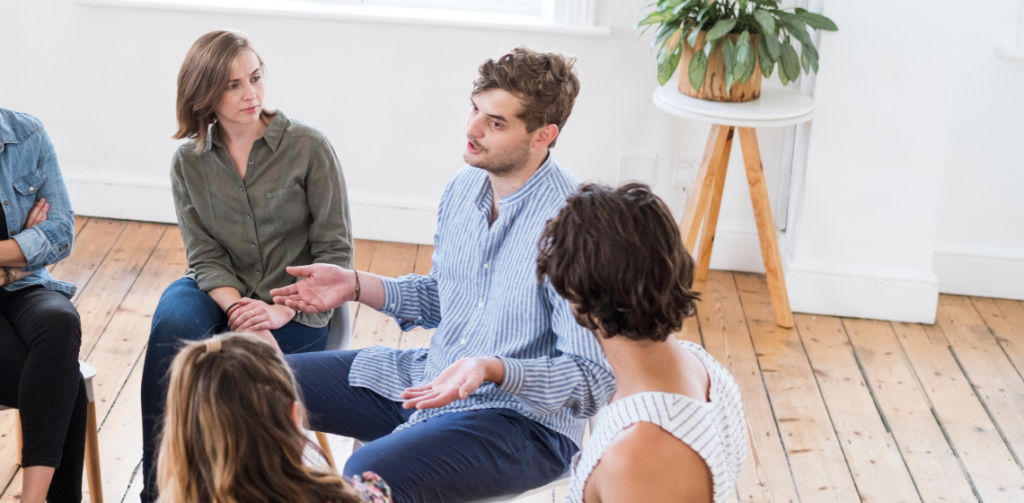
(687, 164)
(637, 165)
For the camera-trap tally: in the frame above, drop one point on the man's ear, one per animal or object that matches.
(544, 136)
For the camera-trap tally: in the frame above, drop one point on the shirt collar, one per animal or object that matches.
(6, 132)
(486, 195)
(272, 135)
(531, 185)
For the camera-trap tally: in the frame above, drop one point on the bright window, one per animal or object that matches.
(528, 7)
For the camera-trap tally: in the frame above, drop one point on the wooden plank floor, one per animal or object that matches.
(838, 409)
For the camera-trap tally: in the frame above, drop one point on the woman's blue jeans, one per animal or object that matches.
(186, 313)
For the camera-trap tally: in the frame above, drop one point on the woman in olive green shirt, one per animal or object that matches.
(255, 192)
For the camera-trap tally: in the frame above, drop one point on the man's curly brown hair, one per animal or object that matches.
(545, 82)
(616, 255)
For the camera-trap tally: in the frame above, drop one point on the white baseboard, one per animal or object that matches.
(863, 292)
(980, 270)
(145, 199)
(736, 248)
(403, 219)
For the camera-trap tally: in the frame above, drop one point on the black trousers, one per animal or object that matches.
(40, 336)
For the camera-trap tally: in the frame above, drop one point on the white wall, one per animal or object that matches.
(392, 99)
(980, 237)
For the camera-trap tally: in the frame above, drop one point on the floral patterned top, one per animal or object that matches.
(371, 488)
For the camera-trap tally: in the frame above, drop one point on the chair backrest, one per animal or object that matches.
(340, 334)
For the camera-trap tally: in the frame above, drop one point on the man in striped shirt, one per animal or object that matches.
(497, 404)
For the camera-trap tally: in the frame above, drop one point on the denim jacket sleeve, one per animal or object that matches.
(51, 240)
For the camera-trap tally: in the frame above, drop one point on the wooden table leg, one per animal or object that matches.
(701, 194)
(92, 456)
(707, 237)
(765, 228)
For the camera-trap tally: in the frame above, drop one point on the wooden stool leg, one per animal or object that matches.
(701, 195)
(92, 456)
(17, 434)
(326, 447)
(707, 238)
(765, 228)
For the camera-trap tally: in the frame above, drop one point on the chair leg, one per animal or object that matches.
(92, 456)
(325, 446)
(17, 434)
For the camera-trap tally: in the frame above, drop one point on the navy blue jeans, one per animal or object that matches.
(456, 457)
(186, 313)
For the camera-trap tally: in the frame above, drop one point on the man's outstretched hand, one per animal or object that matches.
(457, 382)
(325, 287)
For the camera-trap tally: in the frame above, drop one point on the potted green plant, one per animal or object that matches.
(719, 44)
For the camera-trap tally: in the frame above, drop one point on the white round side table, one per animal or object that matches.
(777, 106)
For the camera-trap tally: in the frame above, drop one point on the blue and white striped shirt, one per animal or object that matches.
(483, 297)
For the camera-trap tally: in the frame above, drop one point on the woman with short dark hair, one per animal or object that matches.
(675, 429)
(40, 332)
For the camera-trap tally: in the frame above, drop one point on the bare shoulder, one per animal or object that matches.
(645, 462)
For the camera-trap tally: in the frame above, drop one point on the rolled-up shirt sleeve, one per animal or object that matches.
(579, 378)
(413, 300)
(51, 240)
(206, 256)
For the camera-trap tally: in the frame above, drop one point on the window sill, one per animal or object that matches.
(364, 13)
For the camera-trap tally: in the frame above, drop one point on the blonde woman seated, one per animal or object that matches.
(674, 430)
(234, 432)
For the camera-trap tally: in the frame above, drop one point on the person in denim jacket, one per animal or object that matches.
(40, 331)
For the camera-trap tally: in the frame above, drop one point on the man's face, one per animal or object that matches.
(497, 140)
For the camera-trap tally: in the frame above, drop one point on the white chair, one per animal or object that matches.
(339, 337)
(92, 447)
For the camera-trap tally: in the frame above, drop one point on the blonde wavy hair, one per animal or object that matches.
(229, 435)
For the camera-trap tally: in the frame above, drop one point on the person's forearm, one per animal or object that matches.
(17, 275)
(224, 296)
(11, 254)
(371, 290)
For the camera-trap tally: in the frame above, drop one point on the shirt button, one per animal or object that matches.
(258, 272)
(463, 341)
(480, 304)
(392, 306)
(487, 266)
(241, 189)
(31, 189)
(248, 217)
(254, 245)
(250, 162)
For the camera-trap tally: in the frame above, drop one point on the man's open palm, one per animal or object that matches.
(457, 382)
(323, 288)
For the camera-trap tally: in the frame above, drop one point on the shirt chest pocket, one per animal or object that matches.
(29, 184)
(286, 209)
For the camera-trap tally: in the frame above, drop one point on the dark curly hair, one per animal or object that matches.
(616, 255)
(544, 81)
